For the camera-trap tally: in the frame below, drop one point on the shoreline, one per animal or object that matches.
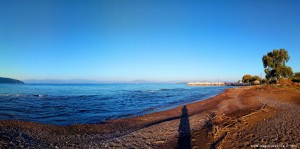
(85, 106)
(206, 123)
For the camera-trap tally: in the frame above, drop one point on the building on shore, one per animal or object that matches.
(206, 84)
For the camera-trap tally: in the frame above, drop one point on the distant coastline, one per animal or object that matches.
(10, 81)
(206, 84)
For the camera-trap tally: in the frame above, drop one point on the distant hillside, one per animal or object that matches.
(9, 80)
(53, 81)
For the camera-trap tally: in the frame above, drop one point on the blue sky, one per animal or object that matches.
(159, 40)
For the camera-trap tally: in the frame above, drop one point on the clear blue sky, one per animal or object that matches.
(157, 40)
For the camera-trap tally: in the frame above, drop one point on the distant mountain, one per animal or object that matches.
(141, 81)
(83, 81)
(10, 81)
(53, 81)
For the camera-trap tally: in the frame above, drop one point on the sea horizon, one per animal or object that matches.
(138, 81)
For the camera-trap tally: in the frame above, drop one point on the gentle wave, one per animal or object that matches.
(50, 97)
(73, 104)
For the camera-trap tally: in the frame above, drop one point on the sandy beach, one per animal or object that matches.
(244, 117)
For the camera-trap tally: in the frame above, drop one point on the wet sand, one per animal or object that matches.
(257, 116)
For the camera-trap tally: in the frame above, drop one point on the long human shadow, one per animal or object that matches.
(184, 140)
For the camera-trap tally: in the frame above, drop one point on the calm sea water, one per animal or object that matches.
(87, 104)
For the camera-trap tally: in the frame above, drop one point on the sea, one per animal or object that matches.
(69, 104)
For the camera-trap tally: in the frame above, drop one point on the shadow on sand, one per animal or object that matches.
(184, 140)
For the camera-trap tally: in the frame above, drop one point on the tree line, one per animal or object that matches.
(275, 68)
